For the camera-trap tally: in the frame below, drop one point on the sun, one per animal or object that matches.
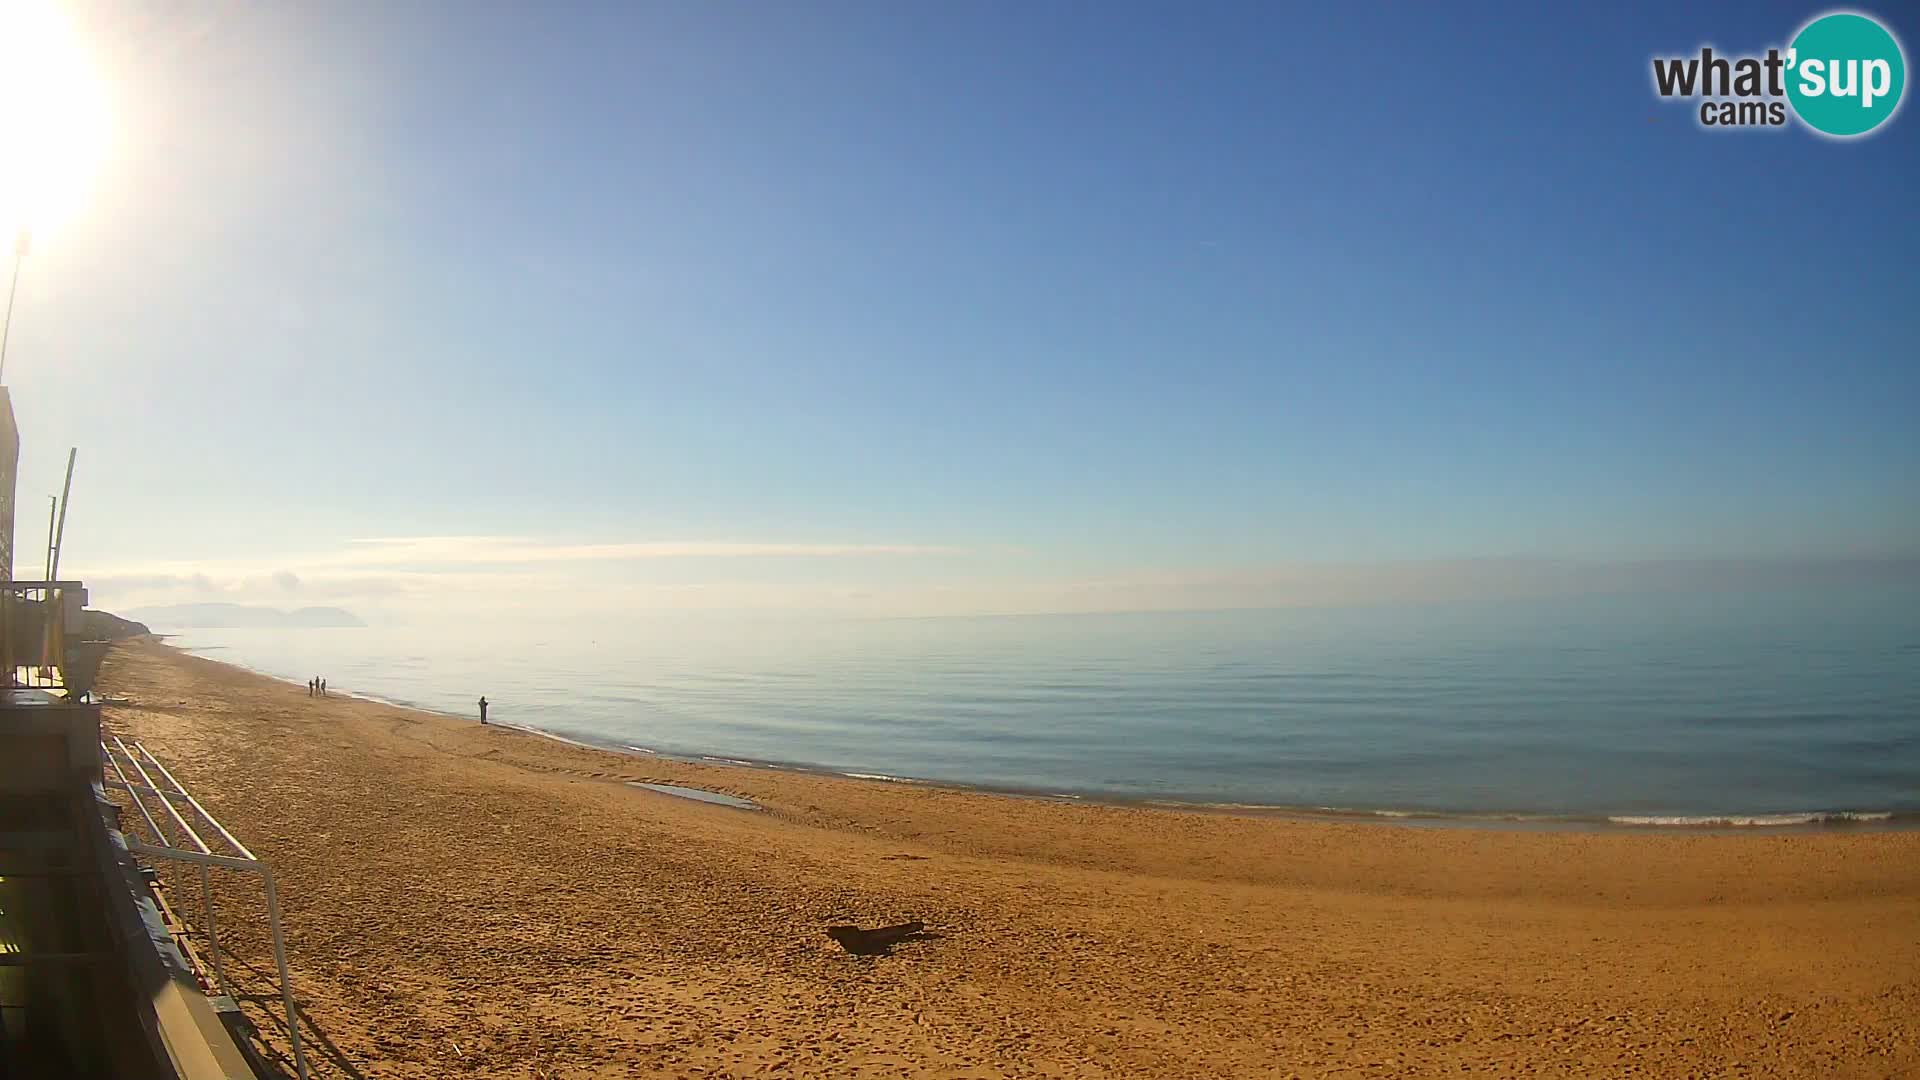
(55, 124)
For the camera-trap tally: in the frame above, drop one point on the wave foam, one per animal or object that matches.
(1759, 820)
(549, 735)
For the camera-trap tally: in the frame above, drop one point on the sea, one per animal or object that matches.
(1791, 708)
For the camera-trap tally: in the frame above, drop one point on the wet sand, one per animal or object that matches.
(480, 902)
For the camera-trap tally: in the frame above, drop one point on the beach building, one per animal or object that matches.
(98, 978)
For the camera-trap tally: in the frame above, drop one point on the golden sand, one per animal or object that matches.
(477, 902)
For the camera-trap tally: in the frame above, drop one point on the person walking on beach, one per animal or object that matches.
(311, 684)
(483, 709)
(323, 688)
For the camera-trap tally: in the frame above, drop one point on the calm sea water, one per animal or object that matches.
(1747, 706)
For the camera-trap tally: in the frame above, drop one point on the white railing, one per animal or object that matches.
(118, 759)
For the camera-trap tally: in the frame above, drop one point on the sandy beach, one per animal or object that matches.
(476, 901)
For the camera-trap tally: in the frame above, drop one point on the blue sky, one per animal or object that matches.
(955, 307)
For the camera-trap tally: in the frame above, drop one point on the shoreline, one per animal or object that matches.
(1642, 821)
(468, 900)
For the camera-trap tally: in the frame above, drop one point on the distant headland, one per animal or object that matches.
(241, 616)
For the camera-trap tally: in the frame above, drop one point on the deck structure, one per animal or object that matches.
(94, 982)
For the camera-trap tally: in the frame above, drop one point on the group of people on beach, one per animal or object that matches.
(316, 687)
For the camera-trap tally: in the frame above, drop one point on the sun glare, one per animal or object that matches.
(55, 124)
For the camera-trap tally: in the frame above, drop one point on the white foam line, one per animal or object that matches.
(550, 735)
(1751, 820)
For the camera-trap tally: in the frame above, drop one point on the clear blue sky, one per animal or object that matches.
(1035, 297)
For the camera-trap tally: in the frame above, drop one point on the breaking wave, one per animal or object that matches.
(1818, 817)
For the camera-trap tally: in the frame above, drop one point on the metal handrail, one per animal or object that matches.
(126, 785)
(204, 858)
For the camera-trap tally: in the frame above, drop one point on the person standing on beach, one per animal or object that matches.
(323, 688)
(483, 709)
(311, 683)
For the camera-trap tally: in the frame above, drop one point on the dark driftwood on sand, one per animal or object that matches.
(872, 942)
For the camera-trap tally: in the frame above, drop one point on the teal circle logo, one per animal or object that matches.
(1845, 74)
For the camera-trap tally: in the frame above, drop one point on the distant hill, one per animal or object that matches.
(106, 626)
(240, 616)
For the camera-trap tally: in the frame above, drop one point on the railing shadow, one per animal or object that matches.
(312, 1036)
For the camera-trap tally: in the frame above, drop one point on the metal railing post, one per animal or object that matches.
(280, 961)
(213, 932)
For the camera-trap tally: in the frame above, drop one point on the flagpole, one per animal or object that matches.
(55, 501)
(6, 327)
(60, 534)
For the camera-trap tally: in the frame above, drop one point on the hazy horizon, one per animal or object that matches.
(1334, 586)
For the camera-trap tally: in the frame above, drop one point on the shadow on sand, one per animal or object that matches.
(272, 1060)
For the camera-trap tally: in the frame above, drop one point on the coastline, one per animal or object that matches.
(1771, 820)
(464, 900)
(1779, 821)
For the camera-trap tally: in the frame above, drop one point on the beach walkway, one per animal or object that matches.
(474, 901)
